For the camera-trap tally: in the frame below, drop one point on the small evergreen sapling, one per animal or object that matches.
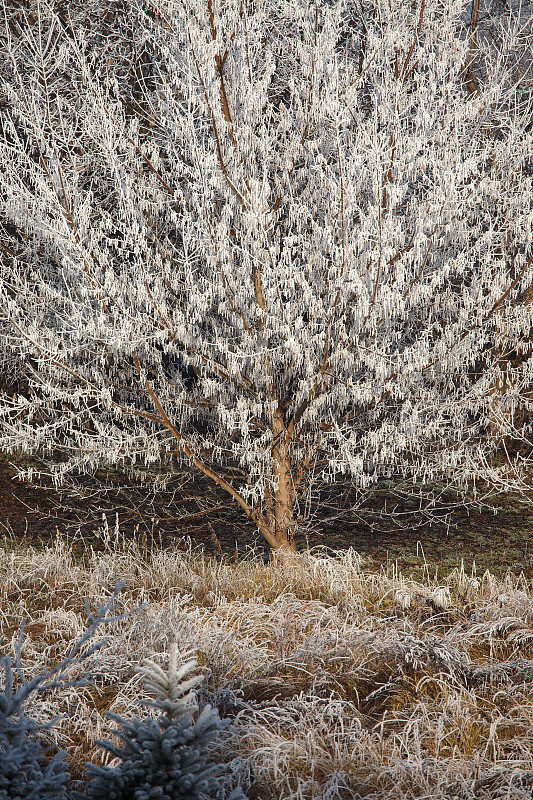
(165, 758)
(25, 771)
(24, 774)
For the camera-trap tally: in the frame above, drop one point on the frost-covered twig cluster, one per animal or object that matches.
(283, 241)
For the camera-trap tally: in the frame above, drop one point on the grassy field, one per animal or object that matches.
(340, 681)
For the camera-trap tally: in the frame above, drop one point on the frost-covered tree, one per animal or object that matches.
(300, 248)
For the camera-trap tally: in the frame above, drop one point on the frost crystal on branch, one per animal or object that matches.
(282, 241)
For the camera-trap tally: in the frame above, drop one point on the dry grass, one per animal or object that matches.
(341, 683)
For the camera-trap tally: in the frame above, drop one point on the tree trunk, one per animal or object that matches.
(279, 525)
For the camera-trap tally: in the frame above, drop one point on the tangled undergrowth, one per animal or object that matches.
(339, 682)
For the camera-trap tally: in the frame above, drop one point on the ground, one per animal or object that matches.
(190, 511)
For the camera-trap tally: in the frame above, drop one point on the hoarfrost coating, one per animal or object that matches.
(284, 241)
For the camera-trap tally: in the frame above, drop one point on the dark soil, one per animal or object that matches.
(190, 512)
